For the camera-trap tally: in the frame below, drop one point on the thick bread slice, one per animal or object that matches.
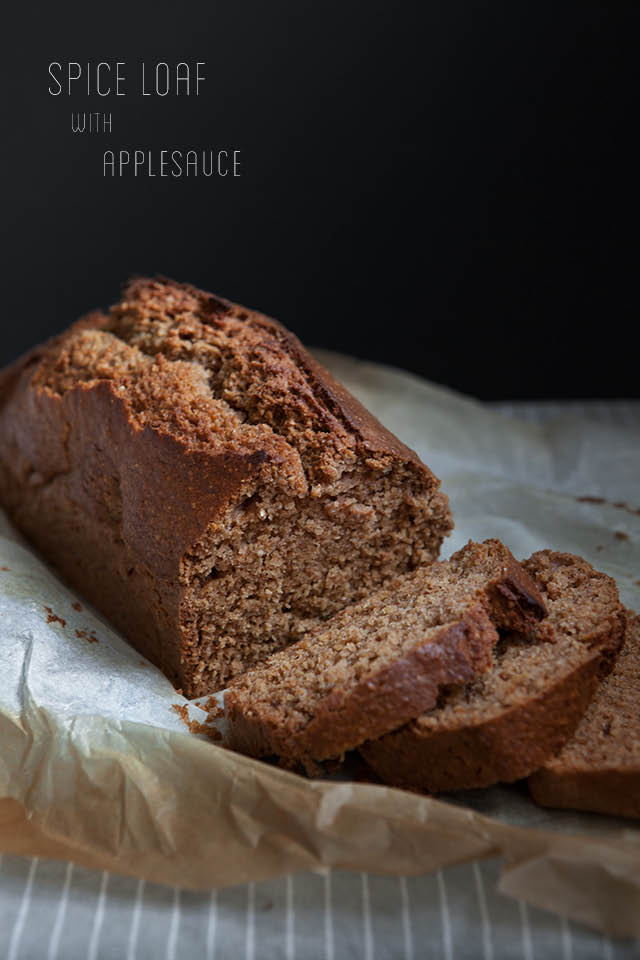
(194, 473)
(599, 768)
(521, 711)
(384, 659)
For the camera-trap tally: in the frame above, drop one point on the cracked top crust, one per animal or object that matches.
(227, 368)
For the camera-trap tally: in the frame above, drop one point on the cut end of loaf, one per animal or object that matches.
(383, 660)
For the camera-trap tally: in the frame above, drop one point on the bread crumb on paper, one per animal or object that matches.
(194, 725)
(618, 505)
(54, 618)
(213, 708)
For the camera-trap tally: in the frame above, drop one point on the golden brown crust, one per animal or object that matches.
(120, 547)
(514, 600)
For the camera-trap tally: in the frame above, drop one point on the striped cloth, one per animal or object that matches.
(55, 911)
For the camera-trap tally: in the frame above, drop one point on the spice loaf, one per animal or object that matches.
(599, 768)
(208, 486)
(521, 711)
(383, 660)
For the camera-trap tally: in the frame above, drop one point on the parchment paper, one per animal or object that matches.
(97, 767)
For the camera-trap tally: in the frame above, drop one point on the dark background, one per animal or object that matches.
(442, 186)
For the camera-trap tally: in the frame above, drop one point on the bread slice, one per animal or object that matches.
(599, 768)
(191, 470)
(384, 659)
(526, 706)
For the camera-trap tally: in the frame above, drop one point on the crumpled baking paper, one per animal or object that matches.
(97, 766)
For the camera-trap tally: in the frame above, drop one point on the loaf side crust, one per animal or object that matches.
(167, 493)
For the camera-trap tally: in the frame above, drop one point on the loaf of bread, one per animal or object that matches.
(383, 660)
(521, 711)
(599, 768)
(190, 469)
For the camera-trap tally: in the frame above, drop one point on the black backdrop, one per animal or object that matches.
(443, 186)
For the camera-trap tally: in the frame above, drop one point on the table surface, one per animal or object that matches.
(60, 911)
